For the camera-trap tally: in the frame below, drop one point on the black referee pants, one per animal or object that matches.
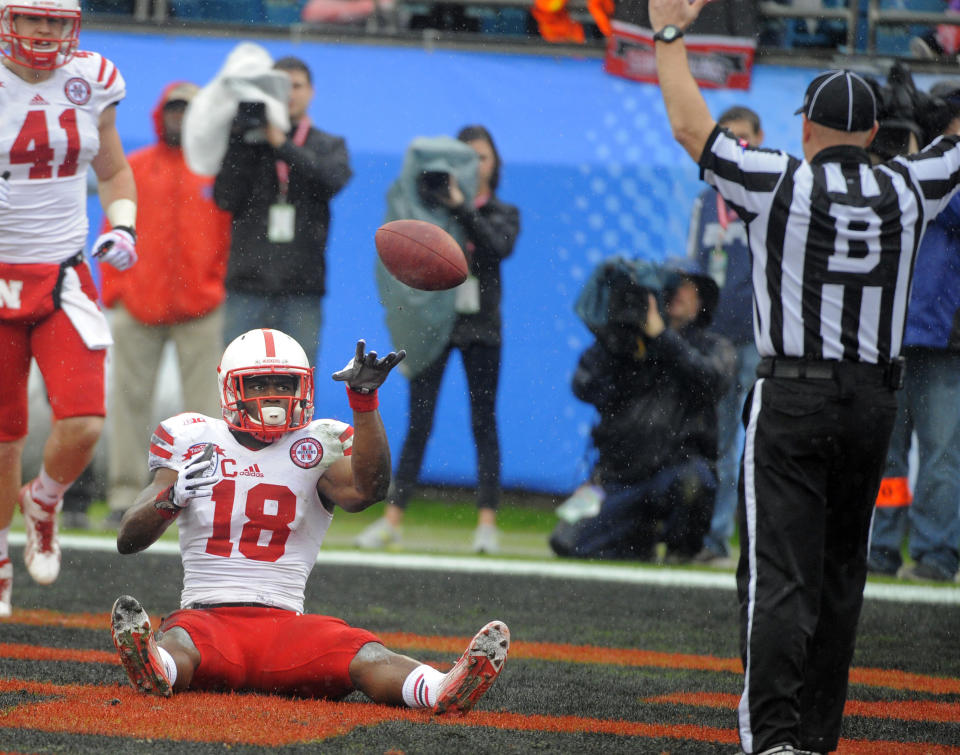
(813, 459)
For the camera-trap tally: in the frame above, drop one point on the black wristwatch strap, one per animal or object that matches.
(669, 33)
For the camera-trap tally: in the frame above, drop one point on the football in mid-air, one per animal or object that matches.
(421, 255)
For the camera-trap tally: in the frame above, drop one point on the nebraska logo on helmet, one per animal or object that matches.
(30, 43)
(262, 353)
(306, 452)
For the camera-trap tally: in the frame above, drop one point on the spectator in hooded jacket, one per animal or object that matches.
(928, 406)
(718, 241)
(175, 293)
(656, 380)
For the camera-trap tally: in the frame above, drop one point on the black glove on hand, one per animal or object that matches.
(365, 373)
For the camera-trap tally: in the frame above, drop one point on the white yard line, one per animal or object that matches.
(898, 593)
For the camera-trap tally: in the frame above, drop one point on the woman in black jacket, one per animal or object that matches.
(491, 228)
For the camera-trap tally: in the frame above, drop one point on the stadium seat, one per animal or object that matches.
(812, 32)
(895, 40)
(510, 21)
(116, 7)
(282, 12)
(236, 11)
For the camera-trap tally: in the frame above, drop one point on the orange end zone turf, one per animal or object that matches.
(273, 721)
(268, 721)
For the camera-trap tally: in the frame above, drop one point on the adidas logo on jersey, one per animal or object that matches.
(38, 100)
(252, 471)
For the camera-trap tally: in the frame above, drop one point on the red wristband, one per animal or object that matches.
(164, 506)
(362, 402)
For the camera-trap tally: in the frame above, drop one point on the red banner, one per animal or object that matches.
(717, 62)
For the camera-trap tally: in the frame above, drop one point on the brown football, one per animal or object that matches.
(421, 255)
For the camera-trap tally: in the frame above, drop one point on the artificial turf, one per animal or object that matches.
(596, 666)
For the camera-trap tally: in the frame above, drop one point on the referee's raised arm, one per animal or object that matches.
(689, 115)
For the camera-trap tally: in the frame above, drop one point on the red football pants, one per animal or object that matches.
(72, 373)
(271, 650)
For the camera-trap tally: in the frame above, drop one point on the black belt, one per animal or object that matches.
(73, 261)
(889, 375)
(198, 606)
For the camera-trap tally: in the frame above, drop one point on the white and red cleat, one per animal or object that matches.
(476, 670)
(6, 587)
(41, 553)
(130, 627)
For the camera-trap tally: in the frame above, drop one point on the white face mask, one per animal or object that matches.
(274, 415)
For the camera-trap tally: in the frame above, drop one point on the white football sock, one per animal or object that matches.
(420, 687)
(169, 665)
(46, 490)
(4, 553)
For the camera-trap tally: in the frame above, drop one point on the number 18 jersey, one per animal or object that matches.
(255, 538)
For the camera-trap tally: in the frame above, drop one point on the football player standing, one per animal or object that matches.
(57, 118)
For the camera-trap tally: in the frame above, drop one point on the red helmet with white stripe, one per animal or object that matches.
(262, 353)
(40, 34)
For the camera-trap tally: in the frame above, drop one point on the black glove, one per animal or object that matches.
(365, 373)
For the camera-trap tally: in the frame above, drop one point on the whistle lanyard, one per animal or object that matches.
(724, 214)
(299, 139)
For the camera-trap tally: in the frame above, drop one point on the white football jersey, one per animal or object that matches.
(48, 135)
(256, 537)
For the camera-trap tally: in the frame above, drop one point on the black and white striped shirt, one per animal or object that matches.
(833, 241)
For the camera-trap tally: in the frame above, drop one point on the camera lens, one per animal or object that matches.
(433, 186)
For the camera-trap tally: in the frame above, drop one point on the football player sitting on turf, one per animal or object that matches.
(253, 495)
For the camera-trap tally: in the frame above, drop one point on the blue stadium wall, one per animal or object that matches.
(588, 158)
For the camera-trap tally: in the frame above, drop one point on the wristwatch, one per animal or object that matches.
(668, 33)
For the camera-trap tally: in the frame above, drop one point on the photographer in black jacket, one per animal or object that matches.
(656, 379)
(278, 188)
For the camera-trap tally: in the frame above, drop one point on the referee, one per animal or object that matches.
(832, 242)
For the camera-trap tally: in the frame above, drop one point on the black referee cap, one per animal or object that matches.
(841, 100)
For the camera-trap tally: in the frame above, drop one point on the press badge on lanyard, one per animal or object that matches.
(282, 218)
(282, 223)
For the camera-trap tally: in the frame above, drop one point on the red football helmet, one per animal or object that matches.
(265, 352)
(35, 47)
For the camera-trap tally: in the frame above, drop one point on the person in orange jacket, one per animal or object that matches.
(175, 293)
(555, 23)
